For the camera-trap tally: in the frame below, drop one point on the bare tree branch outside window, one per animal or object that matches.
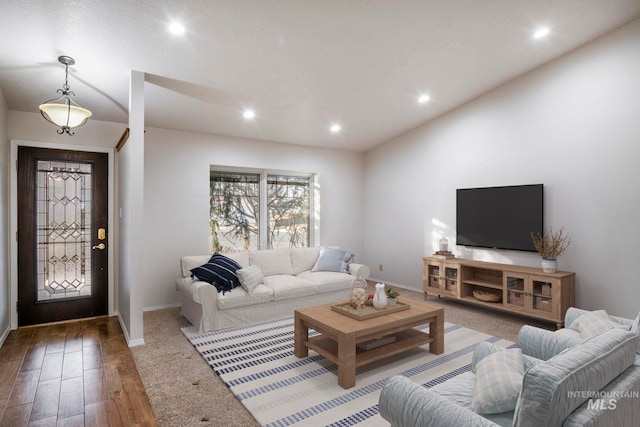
(235, 211)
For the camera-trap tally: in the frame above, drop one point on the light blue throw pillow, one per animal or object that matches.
(498, 382)
(331, 259)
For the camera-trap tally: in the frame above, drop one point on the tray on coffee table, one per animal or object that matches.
(368, 311)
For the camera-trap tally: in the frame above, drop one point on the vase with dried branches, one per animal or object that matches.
(550, 245)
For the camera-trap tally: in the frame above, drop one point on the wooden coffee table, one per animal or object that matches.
(339, 335)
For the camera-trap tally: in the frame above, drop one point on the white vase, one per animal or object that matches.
(549, 265)
(379, 298)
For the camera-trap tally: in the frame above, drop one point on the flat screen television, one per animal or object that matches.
(499, 217)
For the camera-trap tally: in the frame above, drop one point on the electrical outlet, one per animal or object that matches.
(380, 267)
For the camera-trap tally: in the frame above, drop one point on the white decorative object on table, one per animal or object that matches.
(358, 293)
(379, 298)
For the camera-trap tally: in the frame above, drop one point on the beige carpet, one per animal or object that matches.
(184, 391)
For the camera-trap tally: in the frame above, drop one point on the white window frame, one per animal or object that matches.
(262, 221)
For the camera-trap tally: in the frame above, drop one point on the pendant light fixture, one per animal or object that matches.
(63, 111)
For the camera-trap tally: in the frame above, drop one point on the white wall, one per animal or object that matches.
(572, 125)
(131, 226)
(4, 219)
(176, 197)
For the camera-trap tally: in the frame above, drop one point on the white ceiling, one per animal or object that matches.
(301, 64)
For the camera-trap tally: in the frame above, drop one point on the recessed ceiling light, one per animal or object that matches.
(541, 32)
(423, 98)
(335, 128)
(176, 28)
(249, 114)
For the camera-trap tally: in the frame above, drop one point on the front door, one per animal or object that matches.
(62, 235)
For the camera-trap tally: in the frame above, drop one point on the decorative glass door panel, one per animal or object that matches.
(63, 208)
(63, 223)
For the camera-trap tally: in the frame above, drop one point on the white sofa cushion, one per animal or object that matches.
(238, 297)
(272, 262)
(303, 259)
(329, 281)
(188, 263)
(241, 258)
(287, 286)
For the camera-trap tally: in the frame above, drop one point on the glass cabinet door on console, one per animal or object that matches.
(441, 278)
(544, 295)
(531, 293)
(515, 289)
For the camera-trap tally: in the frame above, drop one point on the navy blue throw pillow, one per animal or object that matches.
(220, 271)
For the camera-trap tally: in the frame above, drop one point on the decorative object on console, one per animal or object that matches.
(443, 255)
(379, 298)
(392, 296)
(443, 244)
(443, 252)
(63, 111)
(486, 296)
(550, 245)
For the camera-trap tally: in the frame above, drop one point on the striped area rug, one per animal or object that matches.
(258, 365)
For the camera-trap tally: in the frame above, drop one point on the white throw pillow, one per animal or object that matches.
(498, 382)
(250, 277)
(594, 323)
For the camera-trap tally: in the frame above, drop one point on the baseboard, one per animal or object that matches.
(4, 335)
(162, 307)
(125, 332)
(394, 285)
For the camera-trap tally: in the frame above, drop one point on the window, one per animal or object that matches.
(259, 210)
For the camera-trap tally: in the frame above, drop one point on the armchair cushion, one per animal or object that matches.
(543, 344)
(546, 397)
(406, 404)
(594, 323)
(498, 382)
(486, 348)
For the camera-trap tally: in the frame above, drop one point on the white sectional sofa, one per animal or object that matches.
(288, 284)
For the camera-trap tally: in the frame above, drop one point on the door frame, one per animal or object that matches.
(13, 219)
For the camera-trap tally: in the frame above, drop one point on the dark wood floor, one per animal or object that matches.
(78, 373)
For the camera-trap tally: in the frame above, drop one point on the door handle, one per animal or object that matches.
(101, 246)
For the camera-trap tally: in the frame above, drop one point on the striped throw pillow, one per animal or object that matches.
(220, 271)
